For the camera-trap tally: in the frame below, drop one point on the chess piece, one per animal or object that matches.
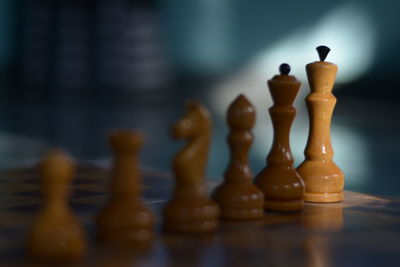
(190, 210)
(56, 233)
(237, 196)
(125, 220)
(323, 180)
(281, 184)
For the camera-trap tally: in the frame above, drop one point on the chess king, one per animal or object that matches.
(323, 179)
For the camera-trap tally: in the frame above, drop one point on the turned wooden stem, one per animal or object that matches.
(125, 172)
(282, 119)
(320, 103)
(239, 143)
(283, 89)
(125, 176)
(319, 146)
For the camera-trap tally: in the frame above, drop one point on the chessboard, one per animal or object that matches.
(363, 230)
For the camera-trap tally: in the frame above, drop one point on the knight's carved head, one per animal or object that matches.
(195, 122)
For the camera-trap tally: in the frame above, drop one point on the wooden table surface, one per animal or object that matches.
(363, 230)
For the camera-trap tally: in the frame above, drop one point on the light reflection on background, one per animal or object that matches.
(340, 30)
(348, 31)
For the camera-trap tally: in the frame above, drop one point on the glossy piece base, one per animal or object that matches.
(239, 201)
(127, 223)
(199, 216)
(323, 197)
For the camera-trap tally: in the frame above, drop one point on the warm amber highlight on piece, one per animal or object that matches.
(281, 184)
(323, 180)
(237, 196)
(56, 233)
(125, 219)
(190, 210)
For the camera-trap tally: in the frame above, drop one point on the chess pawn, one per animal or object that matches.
(281, 184)
(56, 233)
(237, 197)
(191, 210)
(323, 179)
(125, 219)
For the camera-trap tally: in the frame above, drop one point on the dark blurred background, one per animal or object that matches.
(72, 70)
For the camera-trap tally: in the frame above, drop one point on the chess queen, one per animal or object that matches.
(282, 186)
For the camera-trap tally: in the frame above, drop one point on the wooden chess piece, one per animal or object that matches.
(125, 220)
(323, 179)
(237, 196)
(56, 233)
(282, 186)
(190, 210)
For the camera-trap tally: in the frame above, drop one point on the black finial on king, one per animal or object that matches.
(323, 52)
(284, 69)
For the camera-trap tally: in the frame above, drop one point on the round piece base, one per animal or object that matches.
(195, 214)
(323, 197)
(241, 214)
(288, 205)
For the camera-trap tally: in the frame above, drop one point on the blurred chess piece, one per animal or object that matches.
(237, 196)
(191, 210)
(125, 219)
(56, 233)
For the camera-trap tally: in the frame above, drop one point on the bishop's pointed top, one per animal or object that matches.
(284, 69)
(323, 52)
(241, 100)
(241, 113)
